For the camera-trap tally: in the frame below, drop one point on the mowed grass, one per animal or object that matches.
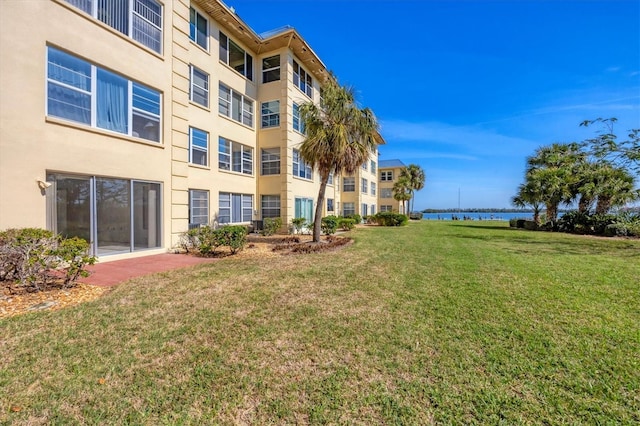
(436, 322)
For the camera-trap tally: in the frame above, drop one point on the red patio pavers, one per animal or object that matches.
(111, 273)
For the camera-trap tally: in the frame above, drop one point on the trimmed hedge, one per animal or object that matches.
(391, 219)
(206, 240)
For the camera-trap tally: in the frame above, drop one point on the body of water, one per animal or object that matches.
(477, 216)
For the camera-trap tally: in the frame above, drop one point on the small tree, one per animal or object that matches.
(402, 191)
(416, 177)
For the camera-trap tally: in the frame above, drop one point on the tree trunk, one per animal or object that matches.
(552, 212)
(603, 206)
(584, 204)
(317, 221)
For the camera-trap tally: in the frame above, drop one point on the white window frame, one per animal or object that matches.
(348, 184)
(373, 188)
(243, 104)
(192, 86)
(373, 167)
(302, 80)
(269, 118)
(386, 208)
(348, 209)
(195, 147)
(386, 193)
(301, 169)
(140, 17)
(270, 204)
(364, 185)
(227, 208)
(364, 209)
(386, 176)
(297, 123)
(225, 43)
(227, 162)
(203, 195)
(270, 161)
(193, 28)
(143, 102)
(330, 205)
(266, 72)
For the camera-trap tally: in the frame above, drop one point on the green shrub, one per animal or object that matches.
(513, 223)
(391, 219)
(356, 218)
(530, 225)
(329, 225)
(346, 223)
(36, 258)
(298, 223)
(206, 240)
(233, 236)
(271, 225)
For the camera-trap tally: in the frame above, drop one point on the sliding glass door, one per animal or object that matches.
(114, 215)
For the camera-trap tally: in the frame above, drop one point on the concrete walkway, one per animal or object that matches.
(111, 273)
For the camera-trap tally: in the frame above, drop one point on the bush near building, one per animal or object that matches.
(34, 259)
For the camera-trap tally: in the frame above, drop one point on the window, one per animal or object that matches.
(113, 215)
(386, 208)
(386, 176)
(330, 204)
(330, 180)
(348, 184)
(302, 80)
(298, 124)
(303, 207)
(198, 29)
(235, 56)
(348, 209)
(199, 86)
(373, 209)
(198, 207)
(271, 69)
(139, 19)
(235, 208)
(235, 105)
(364, 208)
(373, 167)
(270, 161)
(84, 93)
(270, 114)
(270, 206)
(373, 188)
(386, 193)
(300, 168)
(198, 146)
(364, 185)
(365, 165)
(235, 157)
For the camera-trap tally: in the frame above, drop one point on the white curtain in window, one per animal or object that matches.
(112, 110)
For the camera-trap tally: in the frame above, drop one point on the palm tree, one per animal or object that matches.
(416, 177)
(555, 168)
(615, 189)
(402, 191)
(530, 195)
(340, 138)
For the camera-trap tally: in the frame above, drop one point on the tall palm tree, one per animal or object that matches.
(416, 177)
(402, 191)
(340, 138)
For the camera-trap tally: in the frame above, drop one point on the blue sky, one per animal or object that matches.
(468, 89)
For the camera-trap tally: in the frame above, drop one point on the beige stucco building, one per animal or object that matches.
(127, 122)
(389, 171)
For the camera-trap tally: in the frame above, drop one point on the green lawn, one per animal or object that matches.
(436, 322)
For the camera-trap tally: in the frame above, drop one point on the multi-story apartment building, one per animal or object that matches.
(359, 192)
(389, 171)
(128, 121)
